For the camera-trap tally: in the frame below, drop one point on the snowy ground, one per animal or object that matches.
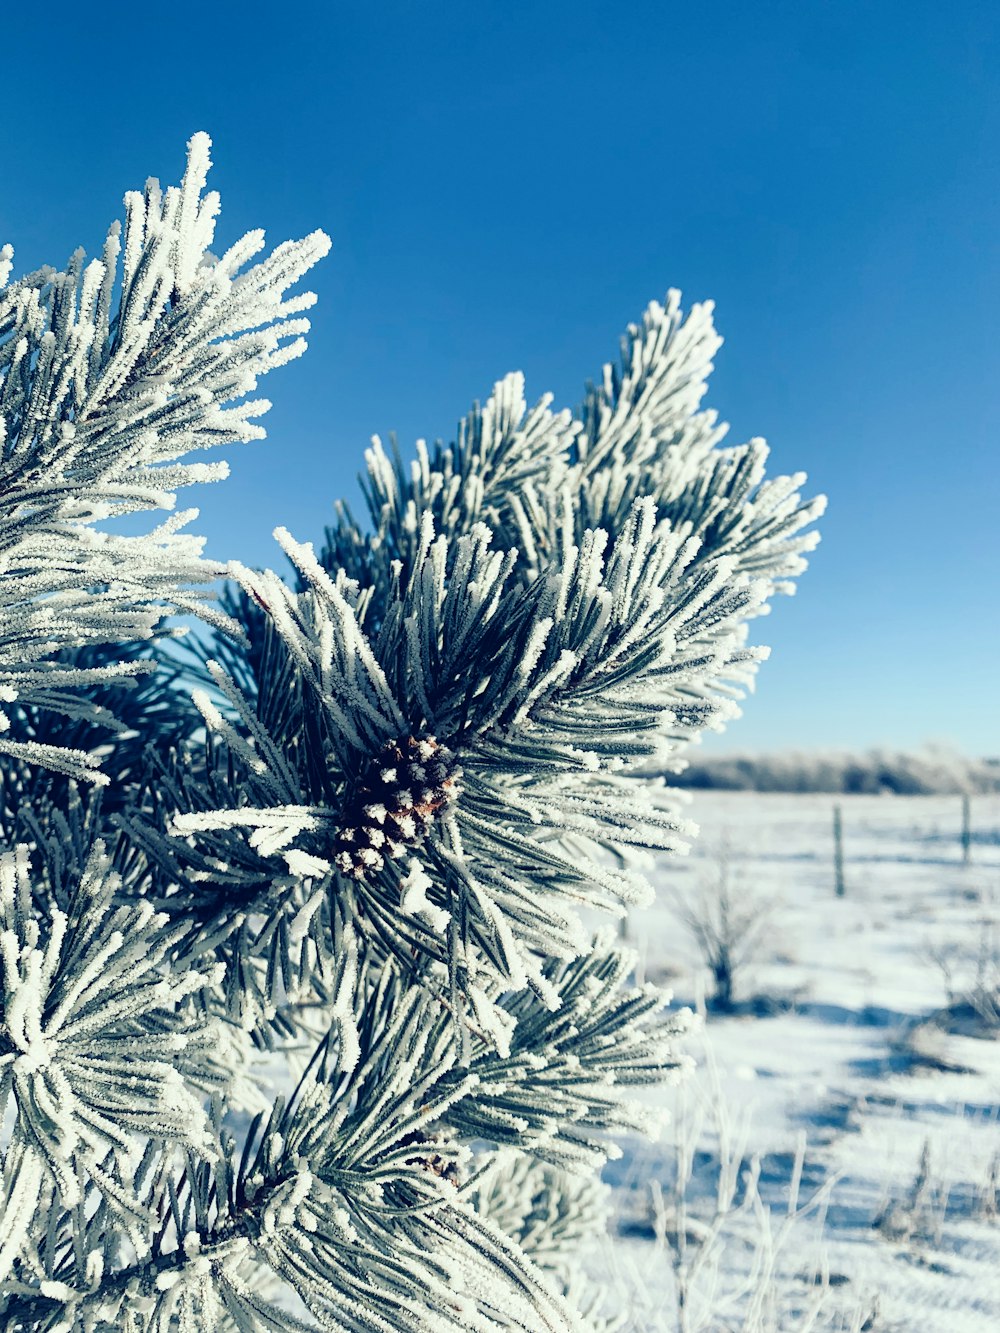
(843, 1034)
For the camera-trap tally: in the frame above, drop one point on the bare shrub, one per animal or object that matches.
(970, 975)
(917, 1216)
(727, 922)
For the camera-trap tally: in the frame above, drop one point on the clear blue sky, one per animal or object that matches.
(507, 185)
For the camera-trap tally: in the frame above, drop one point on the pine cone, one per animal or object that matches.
(394, 803)
(431, 1161)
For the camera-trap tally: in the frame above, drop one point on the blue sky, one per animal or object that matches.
(508, 185)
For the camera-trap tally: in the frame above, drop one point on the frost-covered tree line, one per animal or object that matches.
(934, 769)
(338, 840)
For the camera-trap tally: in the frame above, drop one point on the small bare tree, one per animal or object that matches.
(727, 923)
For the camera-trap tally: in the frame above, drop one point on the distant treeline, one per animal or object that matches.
(933, 770)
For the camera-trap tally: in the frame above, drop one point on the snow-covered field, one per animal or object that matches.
(852, 1031)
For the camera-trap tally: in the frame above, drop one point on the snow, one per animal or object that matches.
(832, 1036)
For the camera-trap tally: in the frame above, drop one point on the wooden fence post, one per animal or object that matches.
(838, 851)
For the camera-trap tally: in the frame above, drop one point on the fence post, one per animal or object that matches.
(838, 851)
(966, 829)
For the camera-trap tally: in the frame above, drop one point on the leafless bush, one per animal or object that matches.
(917, 1216)
(727, 922)
(984, 994)
(971, 977)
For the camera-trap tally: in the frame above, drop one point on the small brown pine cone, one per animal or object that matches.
(430, 1161)
(408, 783)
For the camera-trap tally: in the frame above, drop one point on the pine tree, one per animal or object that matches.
(301, 1026)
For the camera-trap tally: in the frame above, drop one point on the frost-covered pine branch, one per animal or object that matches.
(459, 747)
(111, 373)
(350, 1193)
(94, 1038)
(365, 851)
